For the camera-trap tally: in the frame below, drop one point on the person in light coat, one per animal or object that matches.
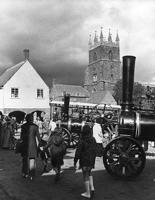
(98, 135)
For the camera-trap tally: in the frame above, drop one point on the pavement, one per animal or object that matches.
(14, 187)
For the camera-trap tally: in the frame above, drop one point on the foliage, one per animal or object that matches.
(117, 94)
(138, 91)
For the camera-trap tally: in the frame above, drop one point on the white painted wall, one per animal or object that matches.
(28, 81)
(1, 100)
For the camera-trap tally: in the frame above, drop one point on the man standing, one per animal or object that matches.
(98, 135)
(29, 133)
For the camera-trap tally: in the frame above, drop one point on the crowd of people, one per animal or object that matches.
(43, 138)
(8, 127)
(54, 148)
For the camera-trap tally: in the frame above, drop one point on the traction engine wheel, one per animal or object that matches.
(66, 135)
(110, 129)
(74, 139)
(124, 158)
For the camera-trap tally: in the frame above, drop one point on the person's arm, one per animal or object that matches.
(77, 152)
(22, 133)
(49, 142)
(100, 132)
(37, 134)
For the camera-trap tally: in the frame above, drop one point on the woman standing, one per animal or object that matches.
(29, 134)
(98, 135)
(86, 154)
(7, 132)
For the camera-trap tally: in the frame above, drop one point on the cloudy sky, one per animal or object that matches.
(57, 33)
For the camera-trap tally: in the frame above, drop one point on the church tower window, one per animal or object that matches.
(94, 77)
(112, 73)
(94, 89)
(110, 55)
(95, 56)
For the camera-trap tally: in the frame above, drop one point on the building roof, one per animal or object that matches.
(74, 90)
(8, 73)
(102, 97)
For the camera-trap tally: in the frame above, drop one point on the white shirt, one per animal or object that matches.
(52, 125)
(97, 133)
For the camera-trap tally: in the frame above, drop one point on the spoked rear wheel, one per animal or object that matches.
(66, 135)
(110, 129)
(74, 139)
(124, 158)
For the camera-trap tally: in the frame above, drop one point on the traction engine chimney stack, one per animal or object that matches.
(128, 82)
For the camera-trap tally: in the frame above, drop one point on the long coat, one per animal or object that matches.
(57, 148)
(86, 152)
(6, 135)
(29, 134)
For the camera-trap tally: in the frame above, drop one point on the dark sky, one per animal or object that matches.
(57, 33)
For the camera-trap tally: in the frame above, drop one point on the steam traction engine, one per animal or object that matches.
(70, 129)
(72, 126)
(124, 156)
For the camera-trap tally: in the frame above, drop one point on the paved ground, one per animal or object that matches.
(14, 187)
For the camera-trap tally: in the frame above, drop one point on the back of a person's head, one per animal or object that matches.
(98, 120)
(86, 130)
(29, 118)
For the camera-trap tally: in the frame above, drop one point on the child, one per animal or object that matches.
(57, 148)
(44, 154)
(86, 154)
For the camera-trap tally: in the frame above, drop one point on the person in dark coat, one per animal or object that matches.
(7, 133)
(57, 148)
(29, 134)
(86, 154)
(1, 122)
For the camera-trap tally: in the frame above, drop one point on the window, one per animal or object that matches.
(94, 77)
(110, 55)
(101, 71)
(112, 75)
(103, 86)
(14, 92)
(94, 89)
(40, 93)
(95, 56)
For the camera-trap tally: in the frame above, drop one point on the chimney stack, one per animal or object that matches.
(128, 81)
(26, 54)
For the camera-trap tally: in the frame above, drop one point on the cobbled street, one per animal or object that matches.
(14, 187)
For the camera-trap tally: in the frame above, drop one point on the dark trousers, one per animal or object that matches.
(25, 168)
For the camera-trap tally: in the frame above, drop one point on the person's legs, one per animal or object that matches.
(57, 176)
(92, 189)
(86, 174)
(32, 167)
(44, 159)
(25, 166)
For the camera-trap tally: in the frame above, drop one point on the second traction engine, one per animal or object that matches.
(124, 156)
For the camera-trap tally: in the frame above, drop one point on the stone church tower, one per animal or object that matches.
(103, 69)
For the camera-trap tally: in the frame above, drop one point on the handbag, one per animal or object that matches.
(19, 146)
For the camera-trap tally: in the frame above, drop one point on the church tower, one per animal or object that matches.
(103, 69)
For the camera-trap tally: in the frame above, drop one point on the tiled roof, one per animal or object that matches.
(9, 73)
(102, 97)
(73, 90)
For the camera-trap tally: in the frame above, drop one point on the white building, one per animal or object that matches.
(22, 89)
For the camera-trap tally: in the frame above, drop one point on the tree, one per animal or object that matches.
(118, 91)
(138, 91)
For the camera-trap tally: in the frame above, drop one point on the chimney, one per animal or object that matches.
(128, 81)
(26, 54)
